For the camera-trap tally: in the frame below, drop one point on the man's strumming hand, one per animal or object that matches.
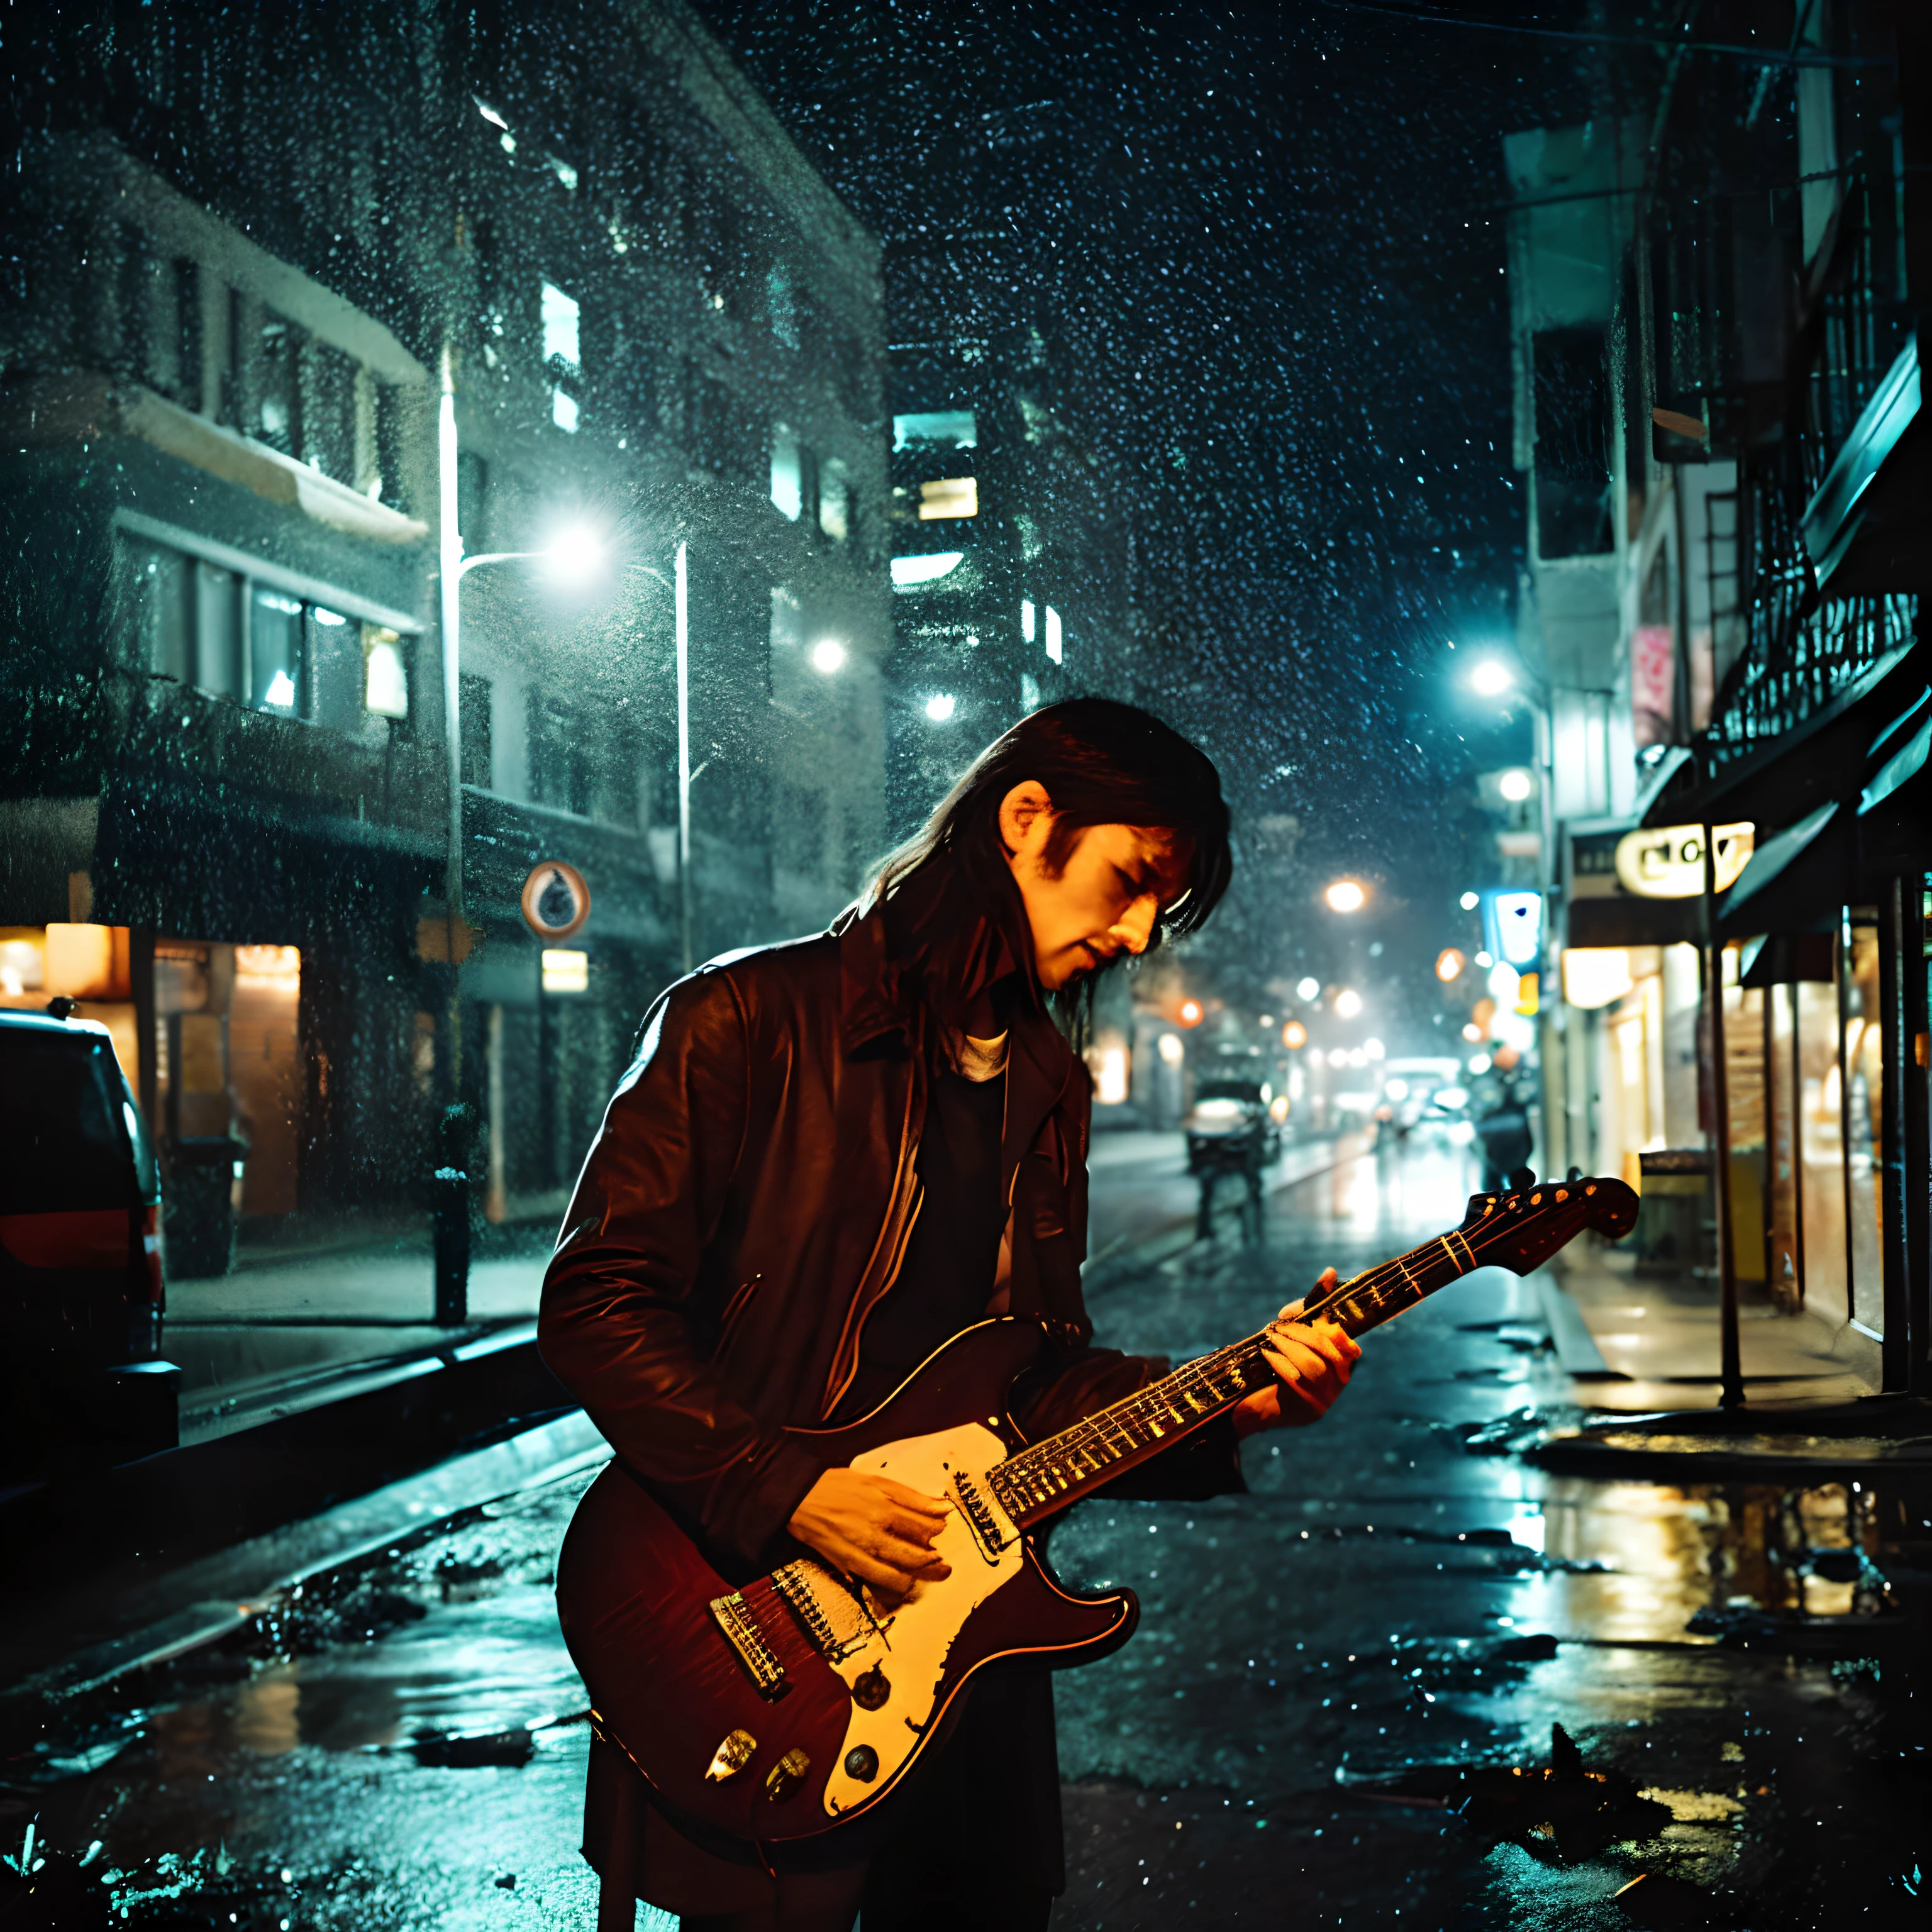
(1311, 1361)
(874, 1528)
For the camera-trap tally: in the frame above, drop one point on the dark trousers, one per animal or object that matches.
(972, 1846)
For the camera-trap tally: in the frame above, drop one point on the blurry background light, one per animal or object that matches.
(1171, 1049)
(1472, 1033)
(1515, 786)
(1448, 963)
(1190, 1012)
(1338, 1056)
(1309, 989)
(1396, 1089)
(1520, 926)
(1374, 1048)
(1484, 961)
(1345, 895)
(1490, 677)
(1470, 900)
(940, 706)
(1502, 982)
(1479, 1062)
(565, 970)
(1348, 1003)
(1294, 1034)
(828, 655)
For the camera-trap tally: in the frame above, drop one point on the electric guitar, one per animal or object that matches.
(785, 1708)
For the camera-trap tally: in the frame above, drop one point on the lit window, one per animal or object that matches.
(1110, 1076)
(787, 473)
(835, 501)
(909, 572)
(950, 497)
(940, 706)
(1027, 624)
(385, 682)
(940, 429)
(565, 970)
(1055, 649)
(563, 410)
(559, 326)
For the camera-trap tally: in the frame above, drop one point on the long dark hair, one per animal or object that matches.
(1100, 763)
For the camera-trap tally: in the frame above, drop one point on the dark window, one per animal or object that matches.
(472, 497)
(278, 388)
(329, 411)
(1572, 400)
(478, 769)
(65, 1148)
(560, 762)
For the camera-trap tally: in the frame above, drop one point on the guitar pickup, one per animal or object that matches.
(733, 1615)
(978, 1512)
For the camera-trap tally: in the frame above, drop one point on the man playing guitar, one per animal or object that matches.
(827, 1158)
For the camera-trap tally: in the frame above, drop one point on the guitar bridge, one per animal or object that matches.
(733, 1615)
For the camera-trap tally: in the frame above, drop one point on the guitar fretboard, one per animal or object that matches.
(1049, 1475)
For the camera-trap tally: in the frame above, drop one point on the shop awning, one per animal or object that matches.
(1866, 529)
(1814, 763)
(1895, 808)
(1797, 879)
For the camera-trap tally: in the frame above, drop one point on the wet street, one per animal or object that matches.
(1407, 1680)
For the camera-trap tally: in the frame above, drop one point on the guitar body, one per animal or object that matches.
(831, 1698)
(790, 1706)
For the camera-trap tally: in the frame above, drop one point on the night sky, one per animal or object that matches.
(1264, 253)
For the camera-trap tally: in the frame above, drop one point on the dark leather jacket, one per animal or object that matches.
(744, 1209)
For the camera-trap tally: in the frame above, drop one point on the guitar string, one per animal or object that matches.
(1037, 1461)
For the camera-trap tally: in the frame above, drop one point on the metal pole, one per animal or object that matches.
(684, 759)
(1797, 1143)
(451, 1187)
(1842, 962)
(1730, 1369)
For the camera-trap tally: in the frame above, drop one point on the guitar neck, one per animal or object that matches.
(1039, 1481)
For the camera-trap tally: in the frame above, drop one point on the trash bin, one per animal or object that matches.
(198, 1204)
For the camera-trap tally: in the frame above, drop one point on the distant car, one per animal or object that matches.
(1229, 1128)
(80, 1263)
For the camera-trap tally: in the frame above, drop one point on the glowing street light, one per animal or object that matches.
(1448, 964)
(828, 655)
(1190, 1012)
(574, 555)
(1490, 677)
(1346, 895)
(940, 706)
(1294, 1035)
(1348, 1003)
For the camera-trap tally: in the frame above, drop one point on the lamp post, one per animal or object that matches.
(577, 549)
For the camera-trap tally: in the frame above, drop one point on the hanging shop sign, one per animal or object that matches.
(1666, 862)
(555, 901)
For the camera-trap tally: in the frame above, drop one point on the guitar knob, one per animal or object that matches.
(870, 1689)
(788, 1775)
(861, 1762)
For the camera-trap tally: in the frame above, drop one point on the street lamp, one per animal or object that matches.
(1490, 677)
(1346, 895)
(575, 553)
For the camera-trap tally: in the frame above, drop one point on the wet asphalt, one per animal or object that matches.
(1342, 1707)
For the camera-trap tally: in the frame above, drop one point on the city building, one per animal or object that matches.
(1714, 304)
(281, 304)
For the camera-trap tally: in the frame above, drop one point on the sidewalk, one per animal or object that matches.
(1657, 1344)
(276, 1335)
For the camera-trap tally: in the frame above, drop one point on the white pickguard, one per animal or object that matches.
(912, 1641)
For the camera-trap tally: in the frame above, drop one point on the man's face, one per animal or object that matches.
(1103, 901)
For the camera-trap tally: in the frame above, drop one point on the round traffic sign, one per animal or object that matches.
(555, 900)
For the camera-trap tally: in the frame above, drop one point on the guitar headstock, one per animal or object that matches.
(1520, 1230)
